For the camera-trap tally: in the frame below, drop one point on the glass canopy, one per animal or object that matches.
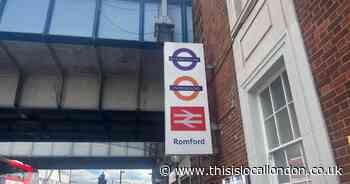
(105, 19)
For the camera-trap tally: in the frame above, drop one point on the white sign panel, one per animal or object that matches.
(187, 124)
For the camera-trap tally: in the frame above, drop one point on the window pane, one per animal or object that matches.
(287, 86)
(271, 133)
(277, 94)
(152, 11)
(281, 161)
(284, 128)
(295, 159)
(74, 18)
(174, 12)
(294, 156)
(24, 16)
(294, 120)
(189, 24)
(120, 19)
(266, 102)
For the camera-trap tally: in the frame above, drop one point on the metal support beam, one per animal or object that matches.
(184, 21)
(49, 17)
(139, 90)
(20, 74)
(96, 24)
(2, 8)
(101, 77)
(61, 76)
(142, 20)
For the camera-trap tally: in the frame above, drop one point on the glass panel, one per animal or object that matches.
(81, 149)
(189, 24)
(62, 148)
(100, 149)
(42, 149)
(284, 128)
(136, 149)
(152, 11)
(120, 19)
(294, 121)
(22, 148)
(118, 149)
(266, 102)
(281, 161)
(287, 87)
(271, 133)
(24, 16)
(174, 12)
(5, 148)
(294, 156)
(277, 94)
(295, 159)
(73, 17)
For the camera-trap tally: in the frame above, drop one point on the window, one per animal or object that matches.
(189, 24)
(120, 19)
(174, 12)
(281, 128)
(24, 16)
(73, 18)
(152, 11)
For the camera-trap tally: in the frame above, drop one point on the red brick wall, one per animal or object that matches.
(212, 29)
(325, 27)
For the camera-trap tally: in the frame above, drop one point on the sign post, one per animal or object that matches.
(187, 121)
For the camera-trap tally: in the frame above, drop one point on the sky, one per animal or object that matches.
(135, 176)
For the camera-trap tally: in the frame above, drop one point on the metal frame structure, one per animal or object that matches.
(90, 162)
(45, 36)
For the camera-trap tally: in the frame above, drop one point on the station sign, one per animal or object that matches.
(187, 121)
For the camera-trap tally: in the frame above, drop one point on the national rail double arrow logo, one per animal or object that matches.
(187, 119)
(184, 59)
(185, 84)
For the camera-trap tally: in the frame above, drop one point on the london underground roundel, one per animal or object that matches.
(184, 59)
(186, 88)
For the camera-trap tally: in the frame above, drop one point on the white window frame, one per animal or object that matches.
(282, 146)
(313, 129)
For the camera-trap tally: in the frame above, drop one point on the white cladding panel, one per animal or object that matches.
(39, 91)
(77, 149)
(260, 33)
(47, 69)
(120, 92)
(81, 92)
(8, 90)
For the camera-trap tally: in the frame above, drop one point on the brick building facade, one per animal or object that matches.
(325, 27)
(315, 36)
(212, 29)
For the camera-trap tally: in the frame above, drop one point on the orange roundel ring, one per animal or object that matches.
(183, 97)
